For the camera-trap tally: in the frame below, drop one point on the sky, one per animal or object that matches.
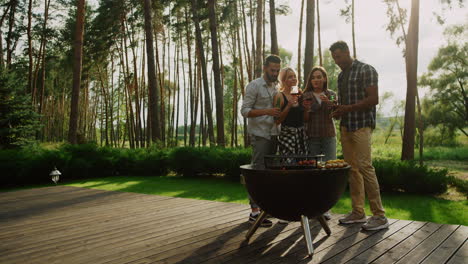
(374, 44)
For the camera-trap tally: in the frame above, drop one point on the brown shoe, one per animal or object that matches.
(376, 223)
(352, 218)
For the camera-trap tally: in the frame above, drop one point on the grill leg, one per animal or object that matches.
(307, 235)
(324, 224)
(255, 225)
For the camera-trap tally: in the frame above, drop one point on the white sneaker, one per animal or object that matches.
(284, 222)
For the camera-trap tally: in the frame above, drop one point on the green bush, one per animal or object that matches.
(188, 161)
(409, 177)
(149, 162)
(32, 165)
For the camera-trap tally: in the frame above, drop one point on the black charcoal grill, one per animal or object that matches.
(291, 191)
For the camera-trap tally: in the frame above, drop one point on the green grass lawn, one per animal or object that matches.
(399, 206)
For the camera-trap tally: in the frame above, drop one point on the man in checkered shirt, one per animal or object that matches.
(358, 96)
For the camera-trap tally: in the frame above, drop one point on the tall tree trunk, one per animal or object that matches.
(11, 26)
(129, 86)
(234, 93)
(35, 75)
(201, 55)
(252, 30)
(217, 74)
(119, 100)
(111, 75)
(318, 34)
(44, 41)
(299, 45)
(192, 89)
(309, 43)
(30, 66)
(152, 83)
(420, 129)
(145, 140)
(167, 123)
(248, 61)
(201, 130)
(411, 79)
(77, 63)
(2, 59)
(274, 37)
(179, 48)
(263, 28)
(162, 77)
(138, 127)
(159, 79)
(258, 55)
(129, 122)
(420, 120)
(186, 94)
(241, 71)
(352, 25)
(105, 97)
(196, 94)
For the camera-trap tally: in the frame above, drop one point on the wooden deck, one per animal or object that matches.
(74, 225)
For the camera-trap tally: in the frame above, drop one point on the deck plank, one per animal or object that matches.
(420, 252)
(73, 225)
(401, 249)
(373, 252)
(443, 253)
(460, 256)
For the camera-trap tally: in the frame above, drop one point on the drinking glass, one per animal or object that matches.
(308, 97)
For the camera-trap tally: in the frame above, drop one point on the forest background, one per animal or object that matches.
(134, 74)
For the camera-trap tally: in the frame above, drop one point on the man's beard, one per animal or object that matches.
(271, 78)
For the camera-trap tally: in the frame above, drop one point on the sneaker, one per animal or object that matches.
(327, 215)
(284, 222)
(265, 222)
(352, 218)
(376, 223)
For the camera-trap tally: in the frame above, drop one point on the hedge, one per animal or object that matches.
(33, 165)
(189, 161)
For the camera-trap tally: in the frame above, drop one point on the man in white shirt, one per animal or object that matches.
(259, 108)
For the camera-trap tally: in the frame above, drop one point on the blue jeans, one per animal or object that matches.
(322, 145)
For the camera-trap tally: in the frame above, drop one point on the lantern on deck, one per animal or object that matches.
(55, 175)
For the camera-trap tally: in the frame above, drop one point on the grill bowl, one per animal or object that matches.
(288, 194)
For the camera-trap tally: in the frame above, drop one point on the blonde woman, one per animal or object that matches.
(291, 139)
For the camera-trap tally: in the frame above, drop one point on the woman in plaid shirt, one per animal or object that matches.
(320, 129)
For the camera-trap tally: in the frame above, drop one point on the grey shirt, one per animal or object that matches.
(258, 95)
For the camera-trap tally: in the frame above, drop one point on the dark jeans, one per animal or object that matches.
(323, 145)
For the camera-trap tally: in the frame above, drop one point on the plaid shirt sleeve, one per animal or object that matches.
(370, 76)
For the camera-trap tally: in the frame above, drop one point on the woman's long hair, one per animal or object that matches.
(283, 74)
(309, 87)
